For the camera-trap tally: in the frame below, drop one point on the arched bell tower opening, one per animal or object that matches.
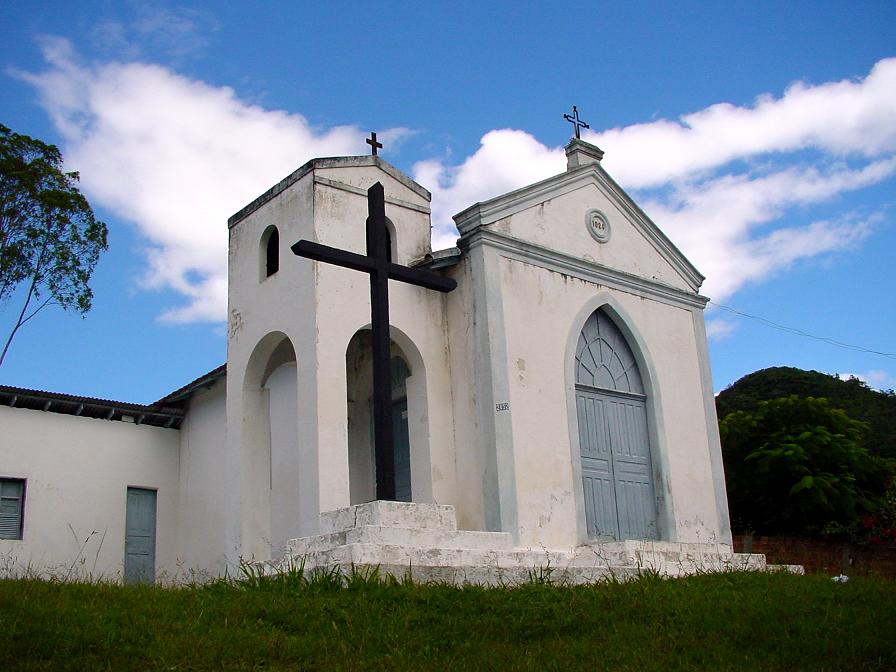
(269, 252)
(270, 469)
(410, 425)
(617, 472)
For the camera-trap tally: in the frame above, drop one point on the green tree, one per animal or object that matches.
(853, 396)
(794, 465)
(50, 240)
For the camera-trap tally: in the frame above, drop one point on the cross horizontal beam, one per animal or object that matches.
(361, 262)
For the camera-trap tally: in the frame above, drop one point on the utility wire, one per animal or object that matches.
(800, 332)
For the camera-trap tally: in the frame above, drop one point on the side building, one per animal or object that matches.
(93, 487)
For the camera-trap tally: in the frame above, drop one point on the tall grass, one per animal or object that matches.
(729, 621)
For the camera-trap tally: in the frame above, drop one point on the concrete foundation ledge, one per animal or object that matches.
(421, 542)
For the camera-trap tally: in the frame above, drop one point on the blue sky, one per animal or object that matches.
(761, 137)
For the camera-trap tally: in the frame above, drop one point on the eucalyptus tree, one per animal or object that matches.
(50, 240)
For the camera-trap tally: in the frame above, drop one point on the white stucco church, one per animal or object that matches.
(558, 403)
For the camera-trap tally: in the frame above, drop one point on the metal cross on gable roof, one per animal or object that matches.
(575, 121)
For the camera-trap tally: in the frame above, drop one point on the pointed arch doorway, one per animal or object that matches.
(614, 444)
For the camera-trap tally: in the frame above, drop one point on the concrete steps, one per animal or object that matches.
(422, 541)
(403, 536)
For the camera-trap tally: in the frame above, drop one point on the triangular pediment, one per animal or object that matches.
(555, 214)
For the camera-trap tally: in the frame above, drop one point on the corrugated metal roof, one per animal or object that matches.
(158, 415)
(204, 381)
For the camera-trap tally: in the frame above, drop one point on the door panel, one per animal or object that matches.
(140, 536)
(597, 468)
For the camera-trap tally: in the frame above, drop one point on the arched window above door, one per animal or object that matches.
(604, 358)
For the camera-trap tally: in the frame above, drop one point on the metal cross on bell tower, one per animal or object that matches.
(575, 121)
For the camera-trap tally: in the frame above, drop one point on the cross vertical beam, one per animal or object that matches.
(383, 441)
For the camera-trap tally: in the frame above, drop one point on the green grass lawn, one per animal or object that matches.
(734, 621)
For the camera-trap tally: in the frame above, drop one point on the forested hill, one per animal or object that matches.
(860, 402)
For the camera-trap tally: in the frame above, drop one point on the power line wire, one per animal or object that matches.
(806, 334)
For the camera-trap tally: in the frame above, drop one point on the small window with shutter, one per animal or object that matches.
(12, 506)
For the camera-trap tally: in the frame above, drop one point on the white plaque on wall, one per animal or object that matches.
(598, 225)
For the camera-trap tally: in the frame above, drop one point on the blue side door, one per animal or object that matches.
(140, 536)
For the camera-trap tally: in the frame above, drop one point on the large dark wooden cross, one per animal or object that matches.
(378, 264)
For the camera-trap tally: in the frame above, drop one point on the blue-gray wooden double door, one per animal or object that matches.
(140, 536)
(617, 476)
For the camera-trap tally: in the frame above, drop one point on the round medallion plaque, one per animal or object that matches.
(598, 225)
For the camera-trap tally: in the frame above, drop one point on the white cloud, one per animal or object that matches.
(727, 219)
(875, 378)
(506, 160)
(840, 118)
(173, 32)
(714, 221)
(719, 328)
(177, 156)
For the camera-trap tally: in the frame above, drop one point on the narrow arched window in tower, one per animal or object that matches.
(270, 245)
(391, 247)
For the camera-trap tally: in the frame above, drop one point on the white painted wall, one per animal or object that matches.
(288, 521)
(544, 311)
(471, 412)
(262, 312)
(203, 499)
(78, 471)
